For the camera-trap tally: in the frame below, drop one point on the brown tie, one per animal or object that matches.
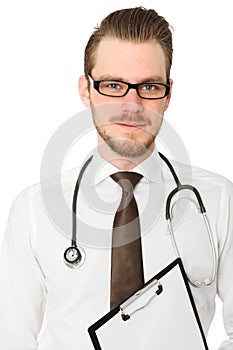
(127, 267)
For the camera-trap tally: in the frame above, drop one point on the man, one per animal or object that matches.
(127, 85)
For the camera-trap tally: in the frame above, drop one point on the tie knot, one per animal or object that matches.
(127, 180)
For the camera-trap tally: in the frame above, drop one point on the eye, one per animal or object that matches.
(113, 86)
(150, 87)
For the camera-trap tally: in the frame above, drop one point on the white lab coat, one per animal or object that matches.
(35, 281)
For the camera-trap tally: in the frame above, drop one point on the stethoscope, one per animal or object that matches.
(74, 256)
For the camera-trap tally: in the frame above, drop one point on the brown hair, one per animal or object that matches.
(134, 24)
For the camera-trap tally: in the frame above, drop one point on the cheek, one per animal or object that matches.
(98, 99)
(103, 112)
(160, 106)
(155, 126)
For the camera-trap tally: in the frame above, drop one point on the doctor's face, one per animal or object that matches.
(128, 124)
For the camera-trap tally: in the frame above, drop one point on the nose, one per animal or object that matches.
(131, 102)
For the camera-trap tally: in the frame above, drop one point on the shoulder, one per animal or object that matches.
(204, 180)
(196, 174)
(61, 184)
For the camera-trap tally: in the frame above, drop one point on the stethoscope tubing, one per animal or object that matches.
(74, 256)
(74, 202)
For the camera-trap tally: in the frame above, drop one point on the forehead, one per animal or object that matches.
(129, 60)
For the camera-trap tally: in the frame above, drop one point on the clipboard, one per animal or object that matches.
(160, 316)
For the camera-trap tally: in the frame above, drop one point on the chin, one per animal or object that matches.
(128, 148)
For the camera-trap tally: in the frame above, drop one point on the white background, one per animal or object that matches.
(42, 45)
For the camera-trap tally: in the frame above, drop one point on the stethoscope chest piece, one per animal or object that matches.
(74, 257)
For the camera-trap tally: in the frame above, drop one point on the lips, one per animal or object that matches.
(131, 125)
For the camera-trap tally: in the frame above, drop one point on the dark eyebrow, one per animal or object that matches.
(151, 79)
(154, 79)
(109, 77)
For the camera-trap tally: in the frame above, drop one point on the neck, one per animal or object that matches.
(122, 162)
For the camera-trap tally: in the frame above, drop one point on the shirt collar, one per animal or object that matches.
(99, 169)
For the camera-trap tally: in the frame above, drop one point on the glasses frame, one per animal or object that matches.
(96, 84)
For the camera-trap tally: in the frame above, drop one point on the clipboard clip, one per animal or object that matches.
(141, 298)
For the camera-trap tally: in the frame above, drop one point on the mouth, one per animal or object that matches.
(131, 126)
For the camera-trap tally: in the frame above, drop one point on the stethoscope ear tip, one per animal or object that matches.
(74, 257)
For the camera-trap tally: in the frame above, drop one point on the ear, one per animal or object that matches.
(168, 98)
(84, 91)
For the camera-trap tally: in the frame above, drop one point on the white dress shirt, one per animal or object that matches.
(34, 281)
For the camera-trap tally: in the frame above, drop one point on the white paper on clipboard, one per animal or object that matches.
(162, 315)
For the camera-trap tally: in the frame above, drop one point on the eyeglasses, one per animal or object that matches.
(117, 88)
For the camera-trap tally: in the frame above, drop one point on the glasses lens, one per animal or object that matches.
(152, 90)
(112, 88)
